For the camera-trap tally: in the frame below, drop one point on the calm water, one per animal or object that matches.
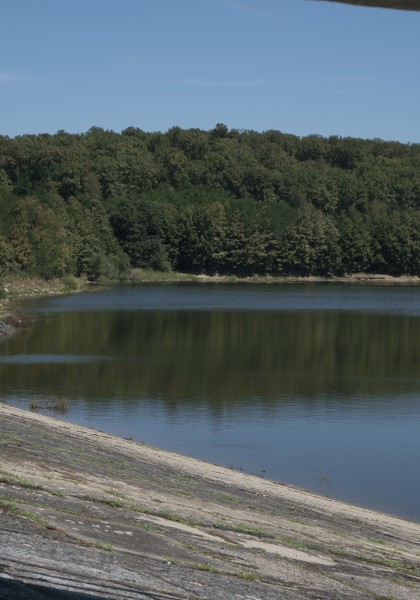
(316, 385)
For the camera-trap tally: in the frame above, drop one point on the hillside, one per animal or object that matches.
(219, 201)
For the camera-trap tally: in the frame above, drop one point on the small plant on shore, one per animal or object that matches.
(114, 502)
(147, 527)
(163, 514)
(206, 567)
(390, 563)
(117, 494)
(11, 508)
(294, 543)
(103, 546)
(248, 576)
(245, 528)
(11, 478)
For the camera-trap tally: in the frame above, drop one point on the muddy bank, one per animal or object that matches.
(84, 514)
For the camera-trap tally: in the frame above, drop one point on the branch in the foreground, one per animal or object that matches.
(399, 4)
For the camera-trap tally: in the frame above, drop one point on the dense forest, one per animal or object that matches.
(219, 201)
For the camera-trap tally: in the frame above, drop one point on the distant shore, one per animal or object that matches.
(356, 278)
(15, 288)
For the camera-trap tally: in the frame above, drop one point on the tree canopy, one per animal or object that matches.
(218, 201)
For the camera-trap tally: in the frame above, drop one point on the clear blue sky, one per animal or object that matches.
(299, 66)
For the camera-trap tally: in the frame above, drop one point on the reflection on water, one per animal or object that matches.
(326, 397)
(192, 296)
(37, 359)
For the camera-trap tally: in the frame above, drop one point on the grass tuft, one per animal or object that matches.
(103, 546)
(244, 528)
(12, 479)
(19, 512)
(206, 567)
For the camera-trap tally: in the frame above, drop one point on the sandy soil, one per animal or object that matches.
(84, 514)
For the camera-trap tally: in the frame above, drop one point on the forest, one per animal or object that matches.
(222, 201)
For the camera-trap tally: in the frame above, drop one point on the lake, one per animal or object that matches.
(317, 385)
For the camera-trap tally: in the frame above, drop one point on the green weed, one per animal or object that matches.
(244, 528)
(206, 567)
(19, 512)
(248, 575)
(113, 502)
(294, 543)
(103, 546)
(163, 514)
(12, 479)
(116, 493)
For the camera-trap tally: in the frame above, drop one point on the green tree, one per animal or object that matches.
(311, 245)
(147, 232)
(202, 241)
(6, 257)
(356, 243)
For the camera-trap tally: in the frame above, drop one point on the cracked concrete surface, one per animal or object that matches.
(86, 515)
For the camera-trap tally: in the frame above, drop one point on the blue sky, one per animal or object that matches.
(299, 66)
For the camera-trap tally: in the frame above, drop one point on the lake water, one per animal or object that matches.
(315, 385)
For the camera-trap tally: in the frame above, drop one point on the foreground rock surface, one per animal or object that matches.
(88, 515)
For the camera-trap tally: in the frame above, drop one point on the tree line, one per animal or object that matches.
(218, 201)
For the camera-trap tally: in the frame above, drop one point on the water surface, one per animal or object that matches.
(316, 385)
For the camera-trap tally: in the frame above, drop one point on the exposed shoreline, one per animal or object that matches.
(137, 275)
(84, 505)
(15, 288)
(11, 321)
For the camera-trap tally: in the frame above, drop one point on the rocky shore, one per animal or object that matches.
(88, 515)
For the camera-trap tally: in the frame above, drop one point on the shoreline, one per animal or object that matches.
(15, 289)
(139, 276)
(90, 502)
(11, 321)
